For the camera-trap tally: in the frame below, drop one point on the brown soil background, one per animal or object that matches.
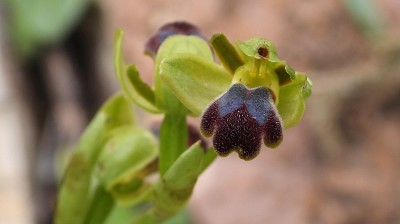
(339, 165)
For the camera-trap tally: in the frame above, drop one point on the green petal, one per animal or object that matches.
(128, 77)
(194, 80)
(292, 100)
(226, 52)
(121, 165)
(177, 44)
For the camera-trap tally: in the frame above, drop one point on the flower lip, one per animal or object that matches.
(240, 118)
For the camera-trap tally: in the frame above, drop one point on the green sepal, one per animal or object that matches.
(191, 45)
(121, 167)
(74, 197)
(226, 52)
(194, 80)
(292, 100)
(131, 83)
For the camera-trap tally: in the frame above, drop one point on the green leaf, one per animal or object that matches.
(292, 100)
(73, 197)
(194, 81)
(177, 44)
(128, 77)
(34, 24)
(226, 52)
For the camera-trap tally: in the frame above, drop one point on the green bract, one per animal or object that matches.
(175, 188)
(121, 166)
(80, 193)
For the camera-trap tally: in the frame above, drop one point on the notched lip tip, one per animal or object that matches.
(242, 155)
(247, 158)
(274, 145)
(205, 134)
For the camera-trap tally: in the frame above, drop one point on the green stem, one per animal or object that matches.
(101, 206)
(173, 140)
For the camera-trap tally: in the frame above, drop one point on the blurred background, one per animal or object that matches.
(339, 165)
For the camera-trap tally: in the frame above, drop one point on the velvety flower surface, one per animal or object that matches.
(240, 118)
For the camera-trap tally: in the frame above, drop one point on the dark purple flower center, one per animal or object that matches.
(240, 118)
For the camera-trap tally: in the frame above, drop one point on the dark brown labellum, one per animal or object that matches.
(240, 119)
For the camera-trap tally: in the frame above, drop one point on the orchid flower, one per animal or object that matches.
(250, 97)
